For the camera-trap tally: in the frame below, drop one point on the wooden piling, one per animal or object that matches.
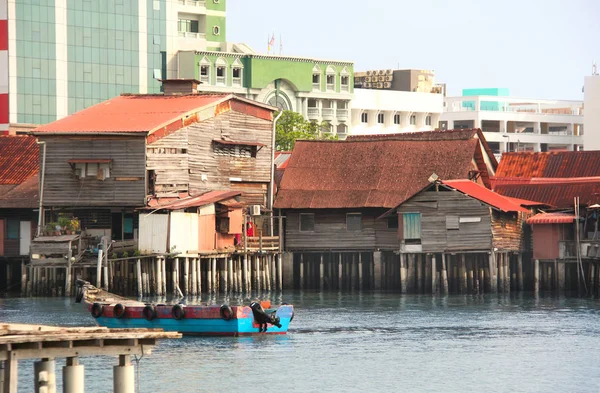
(321, 273)
(267, 270)
(246, 279)
(215, 285)
(419, 272)
(444, 276)
(138, 269)
(463, 274)
(536, 276)
(24, 278)
(520, 285)
(301, 272)
(492, 269)
(403, 274)
(360, 271)
(280, 272)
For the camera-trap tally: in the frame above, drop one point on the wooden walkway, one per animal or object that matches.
(20, 342)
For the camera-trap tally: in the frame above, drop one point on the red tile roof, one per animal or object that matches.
(562, 164)
(191, 201)
(479, 192)
(370, 173)
(19, 159)
(551, 218)
(131, 114)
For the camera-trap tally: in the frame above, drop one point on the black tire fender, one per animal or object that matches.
(97, 310)
(119, 310)
(178, 312)
(226, 312)
(149, 312)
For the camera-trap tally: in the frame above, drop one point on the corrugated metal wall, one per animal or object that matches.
(184, 232)
(153, 233)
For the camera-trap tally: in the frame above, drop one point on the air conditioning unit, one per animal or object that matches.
(255, 210)
(80, 173)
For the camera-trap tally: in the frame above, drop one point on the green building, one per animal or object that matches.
(320, 90)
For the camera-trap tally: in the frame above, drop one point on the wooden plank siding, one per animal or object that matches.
(62, 188)
(435, 207)
(330, 231)
(10, 247)
(168, 158)
(209, 171)
(508, 230)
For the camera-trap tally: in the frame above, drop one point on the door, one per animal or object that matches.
(25, 237)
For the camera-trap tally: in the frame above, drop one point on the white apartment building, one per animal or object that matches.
(518, 124)
(390, 111)
(591, 139)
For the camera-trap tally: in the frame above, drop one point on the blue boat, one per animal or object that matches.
(115, 311)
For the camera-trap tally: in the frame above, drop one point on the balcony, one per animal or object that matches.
(313, 113)
(205, 79)
(345, 88)
(588, 249)
(221, 80)
(193, 3)
(236, 82)
(316, 86)
(331, 87)
(190, 34)
(328, 114)
(342, 114)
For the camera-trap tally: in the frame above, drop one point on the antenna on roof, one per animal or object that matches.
(433, 178)
(594, 68)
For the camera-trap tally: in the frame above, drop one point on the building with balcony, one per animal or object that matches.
(320, 90)
(391, 112)
(516, 124)
(60, 56)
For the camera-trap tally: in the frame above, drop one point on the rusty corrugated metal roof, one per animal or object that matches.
(19, 159)
(558, 195)
(20, 196)
(562, 164)
(369, 173)
(282, 158)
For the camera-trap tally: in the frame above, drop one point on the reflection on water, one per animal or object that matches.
(368, 342)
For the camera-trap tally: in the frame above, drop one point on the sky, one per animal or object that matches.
(535, 48)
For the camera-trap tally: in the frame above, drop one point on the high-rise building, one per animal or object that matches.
(60, 56)
(591, 116)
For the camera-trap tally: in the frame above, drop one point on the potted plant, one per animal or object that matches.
(75, 225)
(64, 223)
(50, 228)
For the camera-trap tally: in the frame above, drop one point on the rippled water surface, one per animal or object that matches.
(368, 343)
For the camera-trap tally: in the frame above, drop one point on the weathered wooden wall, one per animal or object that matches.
(168, 158)
(507, 229)
(124, 187)
(435, 207)
(331, 234)
(210, 171)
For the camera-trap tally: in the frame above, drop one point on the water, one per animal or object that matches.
(368, 343)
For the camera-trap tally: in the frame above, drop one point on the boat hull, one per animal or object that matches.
(198, 320)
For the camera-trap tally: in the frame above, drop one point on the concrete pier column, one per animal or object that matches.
(321, 274)
(123, 376)
(279, 272)
(44, 375)
(403, 274)
(377, 272)
(536, 276)
(287, 268)
(492, 273)
(73, 376)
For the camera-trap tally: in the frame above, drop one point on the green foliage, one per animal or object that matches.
(137, 253)
(292, 126)
(64, 222)
(114, 255)
(125, 254)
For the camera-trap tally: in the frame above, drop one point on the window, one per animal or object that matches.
(205, 73)
(216, 30)
(392, 222)
(428, 121)
(316, 80)
(237, 73)
(396, 119)
(345, 81)
(12, 229)
(188, 26)
(364, 117)
(330, 82)
(93, 169)
(413, 120)
(237, 151)
(221, 75)
(307, 222)
(353, 222)
(381, 118)
(411, 226)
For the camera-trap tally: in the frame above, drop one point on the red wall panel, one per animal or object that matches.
(3, 35)
(4, 109)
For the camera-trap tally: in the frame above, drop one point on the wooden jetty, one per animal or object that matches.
(46, 343)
